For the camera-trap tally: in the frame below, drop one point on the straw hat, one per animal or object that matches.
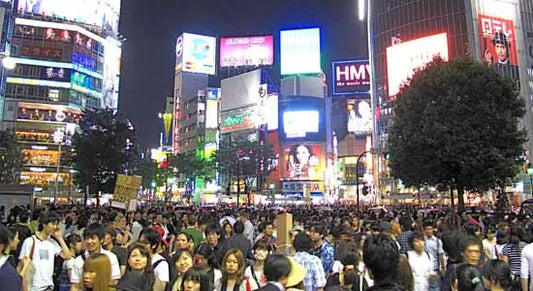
(297, 273)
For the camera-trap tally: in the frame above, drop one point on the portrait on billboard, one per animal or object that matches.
(498, 44)
(359, 117)
(303, 162)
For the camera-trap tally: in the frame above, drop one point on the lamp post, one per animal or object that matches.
(58, 136)
(530, 173)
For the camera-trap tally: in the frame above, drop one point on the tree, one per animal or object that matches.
(456, 123)
(192, 166)
(10, 158)
(104, 149)
(246, 160)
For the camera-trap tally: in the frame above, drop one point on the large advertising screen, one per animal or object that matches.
(304, 161)
(103, 13)
(247, 51)
(359, 117)
(302, 119)
(405, 57)
(300, 51)
(498, 44)
(351, 77)
(196, 54)
(112, 57)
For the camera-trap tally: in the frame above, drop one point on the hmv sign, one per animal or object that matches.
(351, 78)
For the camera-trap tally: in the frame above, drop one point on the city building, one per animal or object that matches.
(67, 61)
(405, 35)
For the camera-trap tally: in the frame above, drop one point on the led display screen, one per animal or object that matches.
(300, 51)
(196, 54)
(112, 56)
(304, 161)
(359, 117)
(403, 58)
(299, 123)
(351, 77)
(247, 51)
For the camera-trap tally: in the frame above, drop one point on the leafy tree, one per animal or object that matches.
(104, 149)
(246, 160)
(10, 158)
(192, 166)
(456, 123)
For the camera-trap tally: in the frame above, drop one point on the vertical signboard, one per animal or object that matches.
(300, 51)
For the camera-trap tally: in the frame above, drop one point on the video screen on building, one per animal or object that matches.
(300, 51)
(196, 53)
(102, 13)
(351, 77)
(247, 51)
(404, 58)
(303, 161)
(359, 117)
(302, 119)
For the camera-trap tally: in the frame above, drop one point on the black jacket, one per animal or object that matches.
(238, 241)
(269, 287)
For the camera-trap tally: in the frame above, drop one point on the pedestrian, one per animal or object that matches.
(74, 243)
(238, 241)
(93, 235)
(109, 244)
(322, 248)
(227, 229)
(214, 237)
(315, 277)
(183, 241)
(42, 249)
(204, 257)
(434, 248)
(489, 243)
(420, 262)
(282, 272)
(183, 260)
(248, 227)
(467, 278)
(404, 275)
(9, 277)
(139, 262)
(193, 230)
(151, 239)
(196, 279)
(97, 273)
(233, 273)
(349, 276)
(266, 229)
(512, 251)
(261, 250)
(497, 275)
(381, 256)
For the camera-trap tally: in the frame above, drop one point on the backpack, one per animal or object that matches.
(172, 272)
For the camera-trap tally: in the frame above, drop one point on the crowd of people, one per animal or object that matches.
(70, 247)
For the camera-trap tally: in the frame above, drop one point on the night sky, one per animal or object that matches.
(152, 26)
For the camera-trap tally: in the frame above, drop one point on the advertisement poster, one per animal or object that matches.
(359, 117)
(304, 162)
(196, 54)
(300, 51)
(112, 57)
(404, 58)
(351, 77)
(498, 44)
(247, 51)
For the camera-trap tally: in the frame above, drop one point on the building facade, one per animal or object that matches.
(67, 62)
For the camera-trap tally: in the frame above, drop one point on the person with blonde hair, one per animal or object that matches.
(97, 273)
(233, 273)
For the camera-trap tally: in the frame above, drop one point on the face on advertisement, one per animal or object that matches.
(502, 52)
(302, 154)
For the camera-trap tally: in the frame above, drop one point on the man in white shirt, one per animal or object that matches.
(152, 240)
(526, 267)
(94, 235)
(248, 227)
(420, 261)
(43, 249)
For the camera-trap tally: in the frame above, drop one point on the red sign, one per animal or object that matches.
(498, 40)
(39, 52)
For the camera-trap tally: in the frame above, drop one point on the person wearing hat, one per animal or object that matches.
(502, 47)
(282, 272)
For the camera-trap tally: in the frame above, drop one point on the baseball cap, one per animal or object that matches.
(161, 232)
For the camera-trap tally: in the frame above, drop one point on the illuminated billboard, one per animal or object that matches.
(299, 123)
(300, 51)
(405, 57)
(112, 57)
(498, 44)
(351, 77)
(359, 117)
(238, 120)
(267, 111)
(104, 13)
(196, 54)
(304, 161)
(247, 51)
(302, 119)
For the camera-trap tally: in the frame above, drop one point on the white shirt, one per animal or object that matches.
(249, 231)
(77, 271)
(136, 229)
(258, 275)
(489, 249)
(161, 272)
(422, 268)
(526, 268)
(44, 254)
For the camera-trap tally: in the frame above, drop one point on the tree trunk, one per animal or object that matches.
(460, 194)
(452, 202)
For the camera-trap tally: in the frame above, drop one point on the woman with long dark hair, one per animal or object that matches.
(261, 250)
(467, 278)
(512, 251)
(196, 279)
(497, 276)
(139, 262)
(183, 260)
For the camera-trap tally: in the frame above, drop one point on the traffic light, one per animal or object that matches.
(366, 190)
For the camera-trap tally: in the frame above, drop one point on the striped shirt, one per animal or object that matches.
(514, 256)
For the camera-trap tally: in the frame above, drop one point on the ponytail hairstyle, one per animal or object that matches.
(349, 257)
(500, 271)
(468, 278)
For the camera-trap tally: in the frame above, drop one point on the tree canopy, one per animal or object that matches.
(10, 158)
(103, 149)
(456, 123)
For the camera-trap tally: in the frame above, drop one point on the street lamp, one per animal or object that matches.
(58, 136)
(530, 173)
